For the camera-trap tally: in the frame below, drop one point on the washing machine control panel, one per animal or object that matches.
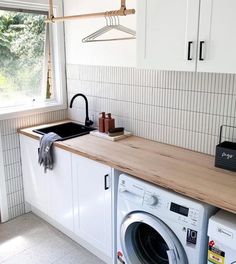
(181, 213)
(193, 216)
(179, 209)
(151, 200)
(158, 202)
(185, 215)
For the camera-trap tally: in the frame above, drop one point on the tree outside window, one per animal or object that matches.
(24, 58)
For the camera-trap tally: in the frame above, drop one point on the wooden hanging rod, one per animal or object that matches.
(122, 12)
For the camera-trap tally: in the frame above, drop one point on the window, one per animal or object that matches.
(31, 58)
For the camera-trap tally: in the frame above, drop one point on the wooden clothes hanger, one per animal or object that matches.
(112, 23)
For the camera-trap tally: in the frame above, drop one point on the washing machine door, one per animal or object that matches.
(145, 239)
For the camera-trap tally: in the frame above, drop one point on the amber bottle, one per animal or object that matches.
(101, 121)
(109, 123)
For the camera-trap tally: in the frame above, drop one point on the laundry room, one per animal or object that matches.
(117, 132)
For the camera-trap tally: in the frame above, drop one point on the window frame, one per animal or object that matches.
(57, 50)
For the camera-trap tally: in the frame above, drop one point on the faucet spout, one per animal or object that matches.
(87, 121)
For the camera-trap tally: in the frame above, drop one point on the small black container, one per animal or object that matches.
(225, 157)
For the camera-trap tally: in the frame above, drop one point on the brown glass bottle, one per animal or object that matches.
(109, 123)
(101, 122)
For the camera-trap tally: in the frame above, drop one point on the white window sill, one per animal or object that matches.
(19, 111)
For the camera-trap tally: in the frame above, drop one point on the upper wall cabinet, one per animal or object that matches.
(171, 36)
(165, 31)
(217, 35)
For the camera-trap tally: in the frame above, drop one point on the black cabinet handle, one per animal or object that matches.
(189, 50)
(200, 52)
(106, 187)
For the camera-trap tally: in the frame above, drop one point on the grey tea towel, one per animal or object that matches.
(45, 151)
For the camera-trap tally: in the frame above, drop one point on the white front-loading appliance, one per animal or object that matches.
(222, 238)
(157, 226)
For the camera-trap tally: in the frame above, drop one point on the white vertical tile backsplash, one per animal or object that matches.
(180, 108)
(12, 159)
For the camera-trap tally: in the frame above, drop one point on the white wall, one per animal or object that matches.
(119, 53)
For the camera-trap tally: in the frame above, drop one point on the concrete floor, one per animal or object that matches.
(30, 240)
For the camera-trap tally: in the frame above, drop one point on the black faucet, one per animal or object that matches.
(87, 121)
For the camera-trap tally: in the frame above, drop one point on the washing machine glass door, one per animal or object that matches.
(145, 239)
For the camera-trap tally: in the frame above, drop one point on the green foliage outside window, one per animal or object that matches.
(22, 55)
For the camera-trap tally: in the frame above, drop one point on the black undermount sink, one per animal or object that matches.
(66, 130)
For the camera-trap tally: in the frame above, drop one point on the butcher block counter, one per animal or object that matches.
(187, 172)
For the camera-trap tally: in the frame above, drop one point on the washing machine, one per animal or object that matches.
(157, 226)
(222, 238)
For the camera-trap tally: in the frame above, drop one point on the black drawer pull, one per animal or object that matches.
(200, 52)
(106, 187)
(189, 50)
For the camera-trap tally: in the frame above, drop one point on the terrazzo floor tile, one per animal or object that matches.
(30, 240)
(81, 256)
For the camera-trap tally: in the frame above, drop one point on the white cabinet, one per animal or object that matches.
(187, 35)
(50, 192)
(76, 194)
(218, 32)
(164, 29)
(93, 203)
(60, 192)
(36, 184)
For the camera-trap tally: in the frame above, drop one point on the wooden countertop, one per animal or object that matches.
(183, 171)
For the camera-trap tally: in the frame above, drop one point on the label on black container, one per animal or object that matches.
(225, 158)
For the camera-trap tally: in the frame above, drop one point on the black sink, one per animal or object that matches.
(66, 130)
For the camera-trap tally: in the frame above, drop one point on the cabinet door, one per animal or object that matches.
(167, 34)
(36, 182)
(50, 192)
(218, 32)
(92, 203)
(60, 192)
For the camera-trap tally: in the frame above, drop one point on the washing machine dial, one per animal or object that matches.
(152, 200)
